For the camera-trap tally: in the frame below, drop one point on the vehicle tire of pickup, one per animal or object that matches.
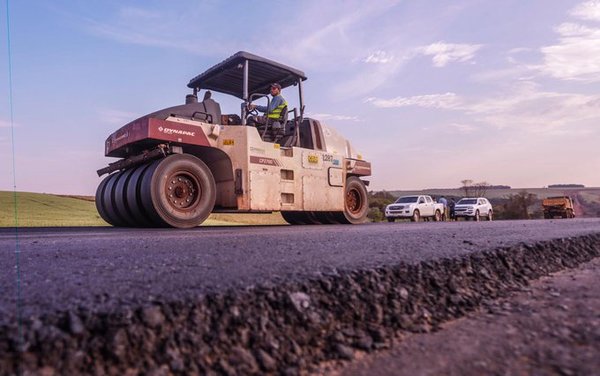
(438, 216)
(477, 217)
(416, 217)
(178, 191)
(490, 216)
(356, 202)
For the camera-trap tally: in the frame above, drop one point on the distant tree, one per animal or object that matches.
(382, 194)
(466, 186)
(566, 186)
(481, 188)
(474, 189)
(377, 203)
(517, 206)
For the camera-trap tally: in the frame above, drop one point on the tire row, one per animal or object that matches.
(119, 201)
(176, 191)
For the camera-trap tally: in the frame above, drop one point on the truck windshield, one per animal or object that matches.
(407, 199)
(467, 201)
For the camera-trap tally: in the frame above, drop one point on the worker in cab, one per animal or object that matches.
(274, 112)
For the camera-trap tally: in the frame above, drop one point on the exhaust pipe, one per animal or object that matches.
(191, 98)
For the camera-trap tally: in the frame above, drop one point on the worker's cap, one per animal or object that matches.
(275, 84)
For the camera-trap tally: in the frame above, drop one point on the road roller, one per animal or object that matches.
(177, 165)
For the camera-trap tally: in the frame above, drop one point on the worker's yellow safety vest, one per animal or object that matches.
(276, 114)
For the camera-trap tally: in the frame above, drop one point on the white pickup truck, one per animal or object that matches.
(415, 208)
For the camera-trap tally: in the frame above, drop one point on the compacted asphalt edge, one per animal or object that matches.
(285, 328)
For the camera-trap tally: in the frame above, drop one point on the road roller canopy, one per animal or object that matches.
(244, 74)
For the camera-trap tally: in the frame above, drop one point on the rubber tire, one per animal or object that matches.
(326, 217)
(391, 219)
(120, 198)
(311, 218)
(477, 217)
(416, 217)
(437, 216)
(132, 192)
(293, 217)
(108, 201)
(308, 217)
(99, 201)
(490, 216)
(154, 196)
(355, 187)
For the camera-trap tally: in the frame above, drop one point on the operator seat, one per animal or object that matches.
(212, 108)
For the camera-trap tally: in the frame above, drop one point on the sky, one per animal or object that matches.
(430, 92)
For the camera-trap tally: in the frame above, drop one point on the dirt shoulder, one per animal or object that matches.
(551, 327)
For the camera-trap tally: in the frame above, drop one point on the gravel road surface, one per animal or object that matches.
(549, 328)
(250, 300)
(63, 268)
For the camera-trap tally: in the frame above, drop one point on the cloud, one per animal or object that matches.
(518, 50)
(588, 10)
(161, 28)
(439, 101)
(524, 107)
(576, 56)
(130, 34)
(368, 78)
(333, 117)
(337, 34)
(461, 128)
(444, 53)
(381, 65)
(379, 57)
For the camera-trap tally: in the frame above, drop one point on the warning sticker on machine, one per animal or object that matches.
(264, 161)
(312, 160)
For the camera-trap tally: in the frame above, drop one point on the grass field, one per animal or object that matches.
(47, 210)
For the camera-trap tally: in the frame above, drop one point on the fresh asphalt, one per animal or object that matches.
(98, 268)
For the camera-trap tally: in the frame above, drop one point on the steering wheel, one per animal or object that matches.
(253, 112)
